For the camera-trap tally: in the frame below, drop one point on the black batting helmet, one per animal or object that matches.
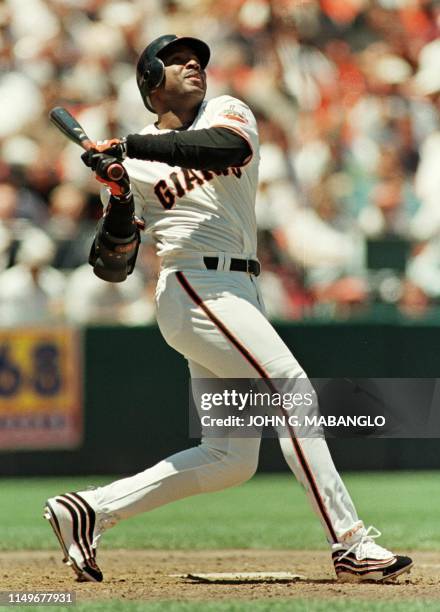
(150, 69)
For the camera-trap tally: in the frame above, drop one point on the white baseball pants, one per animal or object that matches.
(215, 319)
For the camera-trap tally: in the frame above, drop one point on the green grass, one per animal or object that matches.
(270, 511)
(279, 605)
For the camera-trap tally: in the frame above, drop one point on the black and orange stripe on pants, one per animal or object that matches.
(263, 374)
(215, 320)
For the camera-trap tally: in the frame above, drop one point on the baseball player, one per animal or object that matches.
(191, 177)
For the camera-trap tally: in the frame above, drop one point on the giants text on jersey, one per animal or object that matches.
(190, 211)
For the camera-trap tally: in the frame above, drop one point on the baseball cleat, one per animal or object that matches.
(73, 522)
(367, 561)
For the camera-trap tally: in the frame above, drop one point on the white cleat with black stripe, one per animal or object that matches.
(73, 521)
(366, 561)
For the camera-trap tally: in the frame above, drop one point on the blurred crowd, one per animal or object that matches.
(347, 97)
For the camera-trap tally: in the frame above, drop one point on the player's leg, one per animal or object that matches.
(229, 333)
(235, 340)
(216, 463)
(80, 518)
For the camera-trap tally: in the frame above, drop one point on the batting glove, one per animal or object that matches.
(100, 163)
(117, 147)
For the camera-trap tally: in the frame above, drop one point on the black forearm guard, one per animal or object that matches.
(215, 148)
(113, 258)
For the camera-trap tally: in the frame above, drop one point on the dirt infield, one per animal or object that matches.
(147, 575)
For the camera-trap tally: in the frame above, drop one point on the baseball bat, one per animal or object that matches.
(70, 127)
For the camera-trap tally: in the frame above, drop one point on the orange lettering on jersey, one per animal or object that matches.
(235, 118)
(165, 195)
(235, 114)
(237, 172)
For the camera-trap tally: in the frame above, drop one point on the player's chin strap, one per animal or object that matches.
(113, 258)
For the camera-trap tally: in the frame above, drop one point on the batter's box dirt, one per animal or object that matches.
(151, 575)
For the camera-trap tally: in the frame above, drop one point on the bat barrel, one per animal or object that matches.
(70, 127)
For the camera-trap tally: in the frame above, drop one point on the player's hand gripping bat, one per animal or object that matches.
(73, 130)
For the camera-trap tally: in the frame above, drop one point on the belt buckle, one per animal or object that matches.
(248, 265)
(257, 267)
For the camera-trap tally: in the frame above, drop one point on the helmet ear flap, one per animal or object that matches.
(150, 79)
(154, 74)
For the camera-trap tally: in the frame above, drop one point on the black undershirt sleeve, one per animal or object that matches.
(215, 148)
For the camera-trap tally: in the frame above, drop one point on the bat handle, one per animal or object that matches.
(115, 171)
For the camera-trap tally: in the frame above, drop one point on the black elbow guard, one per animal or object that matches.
(112, 258)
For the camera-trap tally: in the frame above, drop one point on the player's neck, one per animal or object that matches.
(176, 120)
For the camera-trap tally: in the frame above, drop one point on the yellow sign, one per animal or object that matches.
(40, 394)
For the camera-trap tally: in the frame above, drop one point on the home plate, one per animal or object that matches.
(231, 577)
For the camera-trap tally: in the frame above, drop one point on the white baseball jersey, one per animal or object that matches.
(200, 210)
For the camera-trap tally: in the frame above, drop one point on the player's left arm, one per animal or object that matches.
(117, 238)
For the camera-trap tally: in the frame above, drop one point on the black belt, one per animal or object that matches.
(251, 266)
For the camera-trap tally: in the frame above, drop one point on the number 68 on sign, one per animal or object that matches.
(40, 399)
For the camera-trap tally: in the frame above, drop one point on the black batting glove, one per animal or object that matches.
(117, 147)
(102, 165)
(92, 157)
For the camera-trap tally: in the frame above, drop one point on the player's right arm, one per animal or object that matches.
(214, 148)
(226, 143)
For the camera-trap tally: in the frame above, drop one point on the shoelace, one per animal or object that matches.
(367, 539)
(103, 523)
